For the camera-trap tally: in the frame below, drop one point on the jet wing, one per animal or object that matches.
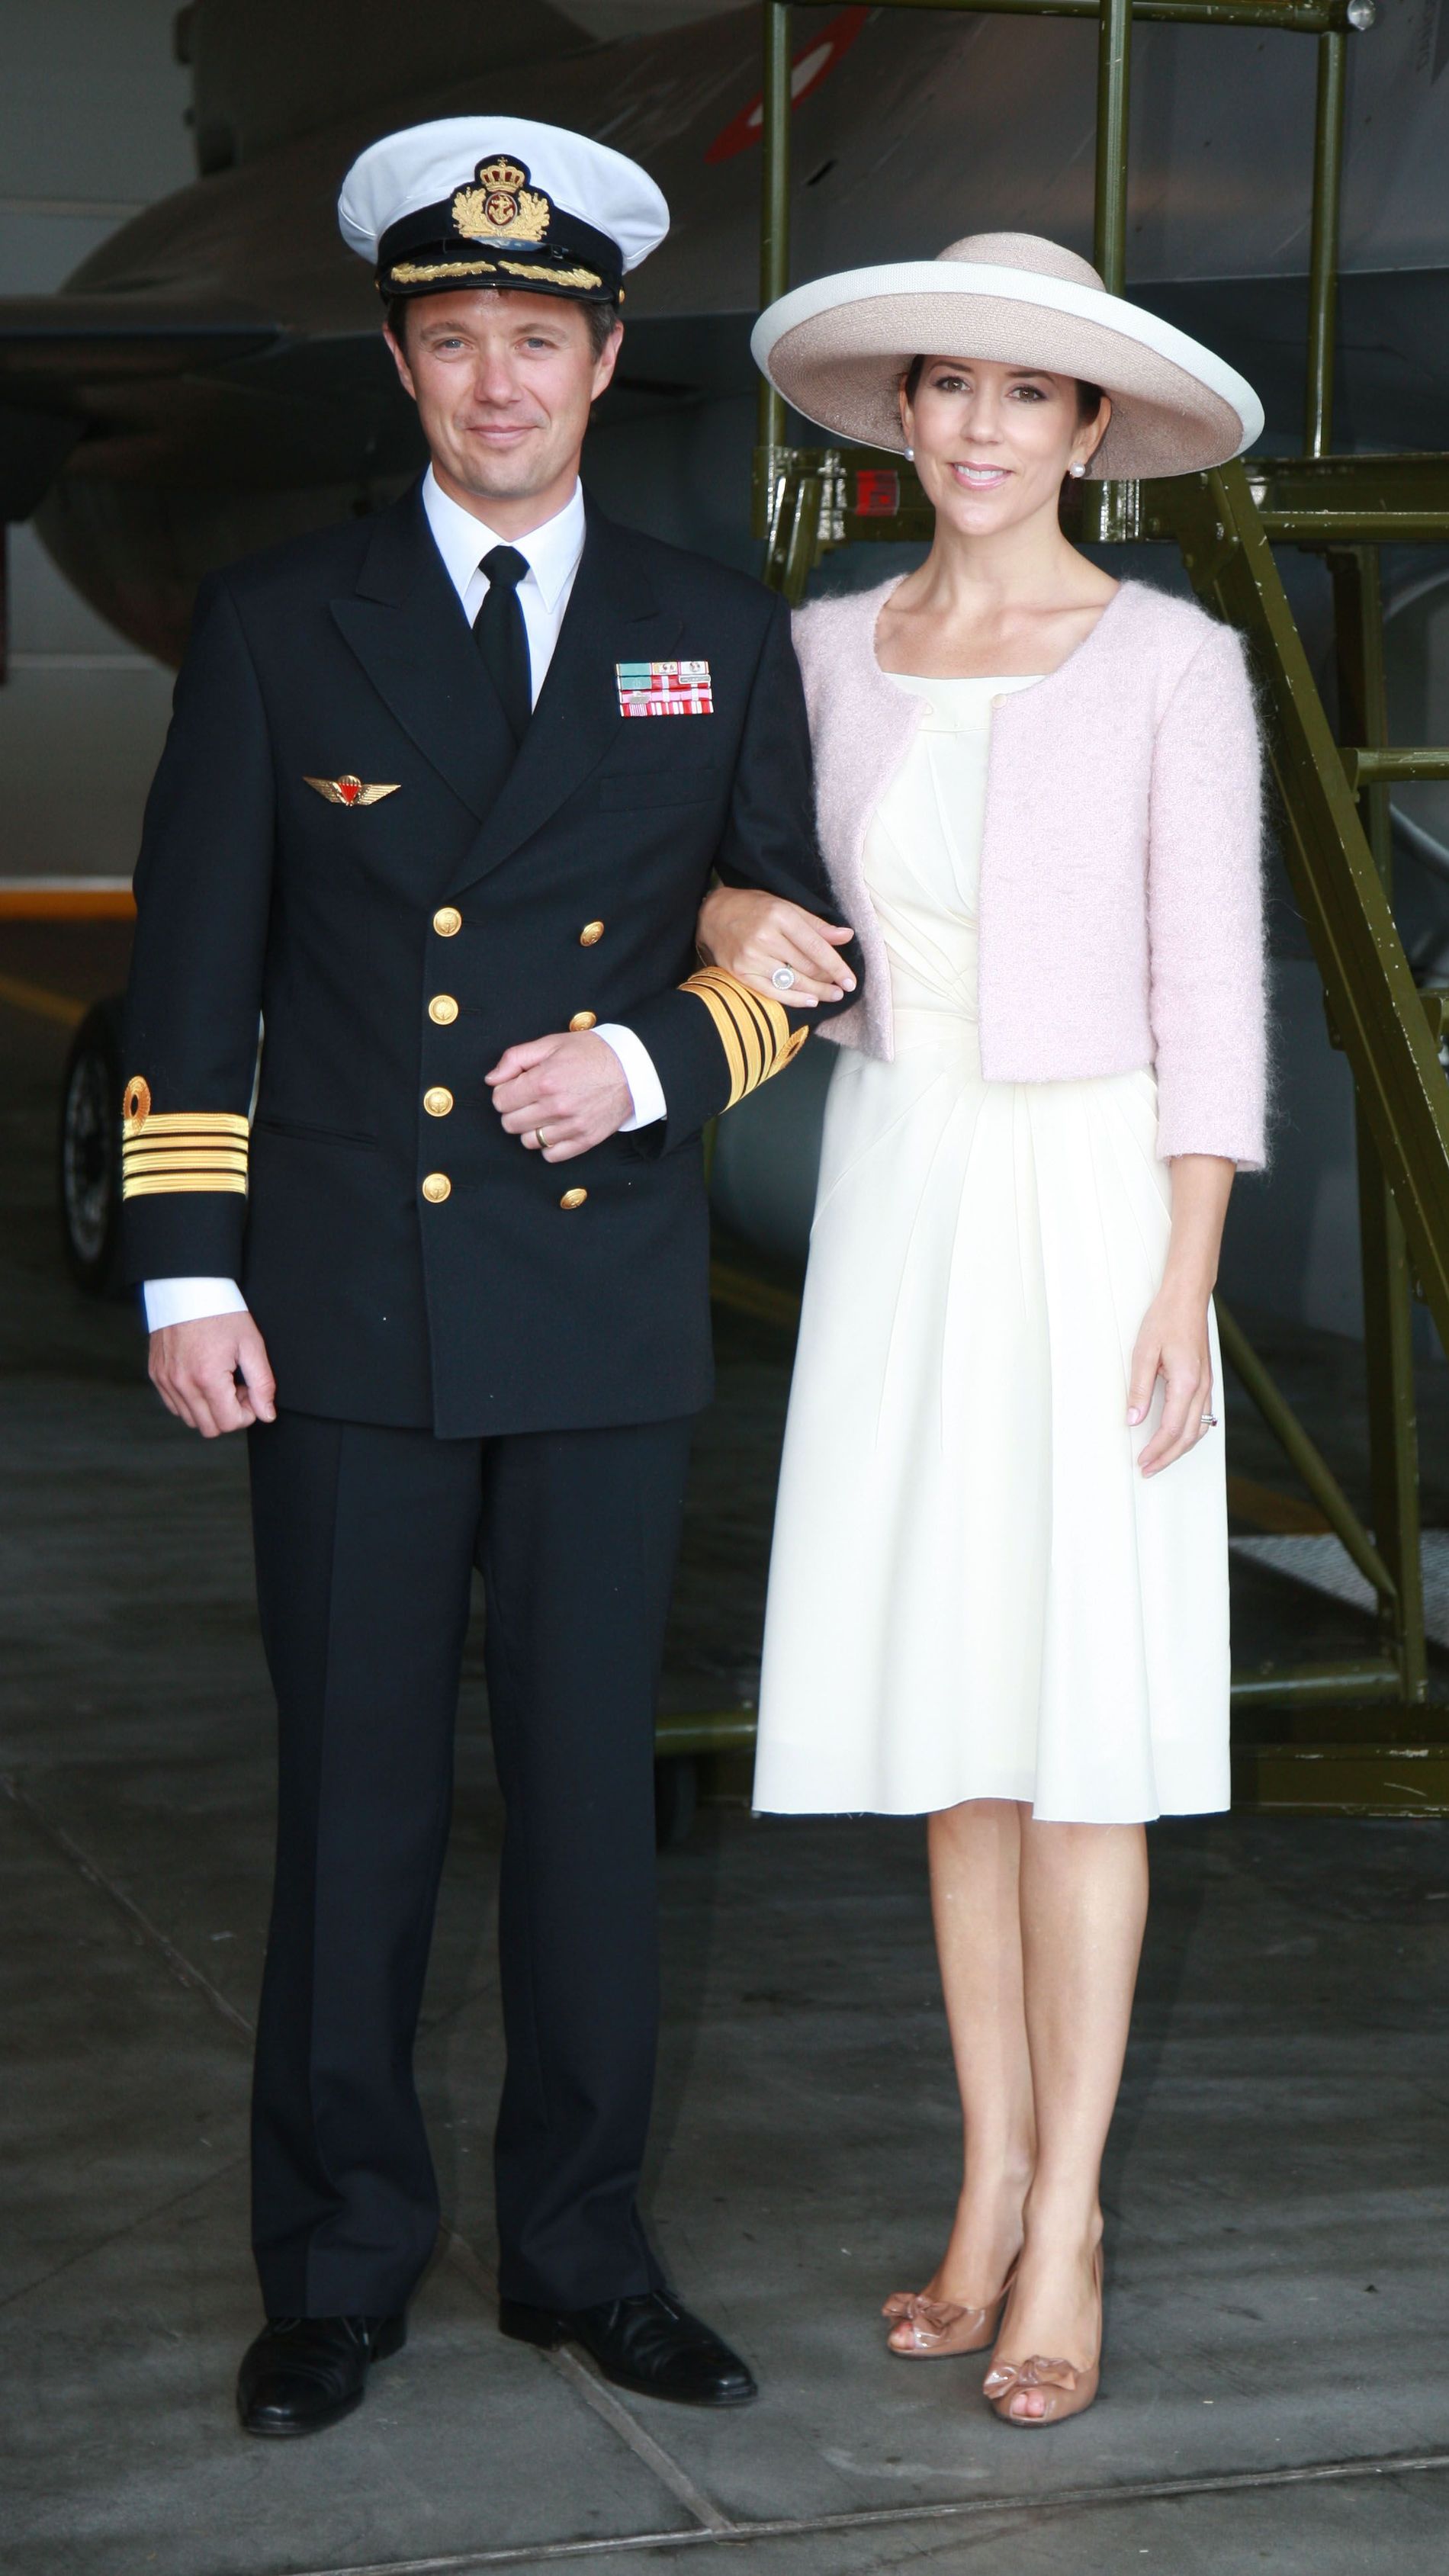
(65, 360)
(48, 339)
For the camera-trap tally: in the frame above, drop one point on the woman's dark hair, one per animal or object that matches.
(601, 319)
(1089, 397)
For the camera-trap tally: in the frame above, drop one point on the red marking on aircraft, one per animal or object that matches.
(807, 72)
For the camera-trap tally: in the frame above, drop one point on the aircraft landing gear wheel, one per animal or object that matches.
(89, 1157)
(676, 1795)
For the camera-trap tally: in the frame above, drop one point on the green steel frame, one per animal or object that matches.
(1347, 1737)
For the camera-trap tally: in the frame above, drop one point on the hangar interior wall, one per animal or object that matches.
(92, 128)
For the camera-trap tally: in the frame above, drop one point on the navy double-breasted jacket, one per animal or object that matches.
(407, 1261)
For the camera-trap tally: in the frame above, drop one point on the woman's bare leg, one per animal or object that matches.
(975, 1854)
(1083, 1908)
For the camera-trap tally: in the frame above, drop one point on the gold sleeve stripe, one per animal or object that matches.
(772, 1024)
(727, 1033)
(158, 1184)
(751, 1024)
(752, 1039)
(739, 1032)
(770, 1014)
(754, 1033)
(778, 1016)
(188, 1158)
(183, 1149)
(200, 1122)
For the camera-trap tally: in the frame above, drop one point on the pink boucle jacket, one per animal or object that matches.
(1120, 903)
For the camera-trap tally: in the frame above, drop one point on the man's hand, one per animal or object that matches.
(195, 1367)
(572, 1088)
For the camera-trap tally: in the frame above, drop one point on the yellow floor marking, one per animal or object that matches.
(66, 899)
(40, 1003)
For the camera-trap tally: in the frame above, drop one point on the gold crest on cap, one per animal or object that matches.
(502, 207)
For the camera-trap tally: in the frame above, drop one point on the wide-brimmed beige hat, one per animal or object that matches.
(837, 350)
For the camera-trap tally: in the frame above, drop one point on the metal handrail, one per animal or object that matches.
(1290, 17)
(1363, 767)
(1303, 1454)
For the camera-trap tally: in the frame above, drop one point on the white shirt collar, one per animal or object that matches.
(552, 551)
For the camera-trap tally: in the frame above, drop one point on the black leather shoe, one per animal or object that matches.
(649, 2344)
(304, 2373)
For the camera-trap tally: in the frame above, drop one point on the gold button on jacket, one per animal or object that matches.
(447, 921)
(573, 1198)
(438, 1101)
(436, 1188)
(443, 1009)
(591, 934)
(584, 1020)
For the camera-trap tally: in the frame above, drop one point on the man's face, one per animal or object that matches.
(503, 384)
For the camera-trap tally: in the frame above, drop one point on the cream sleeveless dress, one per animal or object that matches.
(973, 1593)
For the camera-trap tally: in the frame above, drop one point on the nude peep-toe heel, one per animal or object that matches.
(937, 2331)
(1067, 2387)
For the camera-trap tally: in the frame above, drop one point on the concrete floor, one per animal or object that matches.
(1277, 2384)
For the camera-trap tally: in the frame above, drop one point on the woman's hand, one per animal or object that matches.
(1173, 1345)
(1173, 1342)
(750, 935)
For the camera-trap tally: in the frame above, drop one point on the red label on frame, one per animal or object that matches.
(877, 492)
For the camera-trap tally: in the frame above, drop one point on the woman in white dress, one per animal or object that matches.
(1003, 1492)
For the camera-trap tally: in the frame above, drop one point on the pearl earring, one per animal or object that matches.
(1077, 469)
(911, 453)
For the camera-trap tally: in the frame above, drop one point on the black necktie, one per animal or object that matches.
(502, 637)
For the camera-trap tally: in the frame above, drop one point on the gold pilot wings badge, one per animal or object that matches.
(349, 790)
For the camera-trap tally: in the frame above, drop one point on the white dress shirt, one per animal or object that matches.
(552, 553)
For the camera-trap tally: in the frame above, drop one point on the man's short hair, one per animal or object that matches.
(599, 315)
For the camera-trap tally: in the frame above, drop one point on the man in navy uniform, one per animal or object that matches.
(441, 795)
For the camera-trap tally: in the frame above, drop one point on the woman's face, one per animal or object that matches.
(992, 442)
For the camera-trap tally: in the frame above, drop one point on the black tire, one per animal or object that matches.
(676, 1796)
(89, 1153)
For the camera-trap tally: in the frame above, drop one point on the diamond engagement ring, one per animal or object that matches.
(783, 978)
(1209, 1422)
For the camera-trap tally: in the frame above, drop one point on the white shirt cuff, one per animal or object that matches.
(188, 1301)
(645, 1089)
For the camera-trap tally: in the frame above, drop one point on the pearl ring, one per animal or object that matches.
(783, 978)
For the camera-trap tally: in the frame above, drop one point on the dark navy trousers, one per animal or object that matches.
(366, 1541)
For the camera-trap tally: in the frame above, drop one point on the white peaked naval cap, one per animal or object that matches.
(499, 200)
